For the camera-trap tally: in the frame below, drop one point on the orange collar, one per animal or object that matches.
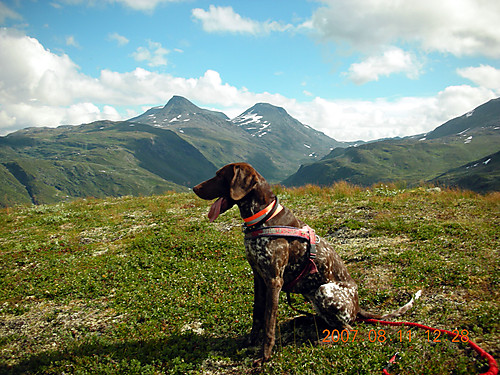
(262, 216)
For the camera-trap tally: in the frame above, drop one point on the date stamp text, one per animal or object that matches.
(381, 335)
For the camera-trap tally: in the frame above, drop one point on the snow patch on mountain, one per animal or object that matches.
(247, 118)
(252, 121)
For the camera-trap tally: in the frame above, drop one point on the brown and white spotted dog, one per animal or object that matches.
(279, 262)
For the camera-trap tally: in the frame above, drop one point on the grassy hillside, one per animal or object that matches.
(481, 175)
(148, 286)
(408, 160)
(104, 158)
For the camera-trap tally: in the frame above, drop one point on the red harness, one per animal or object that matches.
(306, 233)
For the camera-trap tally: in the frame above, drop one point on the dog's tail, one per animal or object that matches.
(368, 315)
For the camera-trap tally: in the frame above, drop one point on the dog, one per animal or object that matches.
(284, 254)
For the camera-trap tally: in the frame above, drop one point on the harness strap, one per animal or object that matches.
(310, 268)
(306, 233)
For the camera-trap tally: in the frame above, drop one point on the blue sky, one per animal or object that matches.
(354, 69)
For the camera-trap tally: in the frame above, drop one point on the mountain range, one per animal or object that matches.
(442, 156)
(166, 148)
(178, 145)
(265, 136)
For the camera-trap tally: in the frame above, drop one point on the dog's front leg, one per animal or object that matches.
(259, 307)
(271, 312)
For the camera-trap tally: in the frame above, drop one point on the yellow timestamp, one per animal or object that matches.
(381, 335)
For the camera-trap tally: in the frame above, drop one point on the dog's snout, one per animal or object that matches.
(197, 190)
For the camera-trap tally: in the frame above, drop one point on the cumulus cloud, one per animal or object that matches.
(393, 60)
(29, 72)
(154, 54)
(459, 27)
(40, 88)
(351, 120)
(483, 75)
(225, 19)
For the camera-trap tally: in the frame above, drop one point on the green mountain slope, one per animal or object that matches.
(178, 145)
(44, 165)
(411, 159)
(480, 175)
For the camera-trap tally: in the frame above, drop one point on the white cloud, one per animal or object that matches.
(154, 54)
(6, 12)
(351, 120)
(393, 60)
(30, 73)
(40, 88)
(29, 114)
(225, 19)
(459, 27)
(483, 75)
(120, 39)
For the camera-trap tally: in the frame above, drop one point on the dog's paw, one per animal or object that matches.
(259, 362)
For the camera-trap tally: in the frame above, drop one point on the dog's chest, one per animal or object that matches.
(271, 256)
(258, 251)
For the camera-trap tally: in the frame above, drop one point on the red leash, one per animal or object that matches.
(493, 369)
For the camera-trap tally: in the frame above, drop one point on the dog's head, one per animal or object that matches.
(231, 184)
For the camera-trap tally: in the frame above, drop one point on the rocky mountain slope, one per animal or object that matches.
(276, 129)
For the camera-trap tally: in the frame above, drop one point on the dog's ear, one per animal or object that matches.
(244, 180)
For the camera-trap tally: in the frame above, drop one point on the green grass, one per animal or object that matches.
(148, 286)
